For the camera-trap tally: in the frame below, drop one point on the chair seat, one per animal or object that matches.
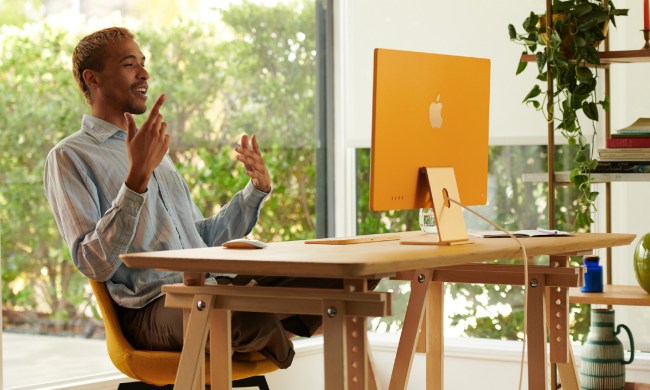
(159, 367)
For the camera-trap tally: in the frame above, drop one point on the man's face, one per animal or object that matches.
(122, 84)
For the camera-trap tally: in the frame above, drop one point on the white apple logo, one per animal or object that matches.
(435, 114)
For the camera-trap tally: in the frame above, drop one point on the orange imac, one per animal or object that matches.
(430, 125)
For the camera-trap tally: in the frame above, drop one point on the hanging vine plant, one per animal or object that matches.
(570, 56)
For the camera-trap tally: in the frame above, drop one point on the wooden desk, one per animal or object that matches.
(356, 264)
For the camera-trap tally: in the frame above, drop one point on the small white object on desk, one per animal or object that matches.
(244, 243)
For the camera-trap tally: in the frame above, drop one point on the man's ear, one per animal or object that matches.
(90, 78)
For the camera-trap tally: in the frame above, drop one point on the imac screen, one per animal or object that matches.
(429, 110)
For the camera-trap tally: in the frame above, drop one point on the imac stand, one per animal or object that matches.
(448, 215)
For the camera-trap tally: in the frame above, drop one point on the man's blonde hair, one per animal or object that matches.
(89, 53)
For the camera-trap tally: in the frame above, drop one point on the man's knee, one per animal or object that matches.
(252, 331)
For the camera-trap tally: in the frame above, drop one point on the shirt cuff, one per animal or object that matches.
(129, 201)
(252, 196)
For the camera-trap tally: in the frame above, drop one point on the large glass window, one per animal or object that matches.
(228, 67)
(489, 311)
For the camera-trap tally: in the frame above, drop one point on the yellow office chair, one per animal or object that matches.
(159, 368)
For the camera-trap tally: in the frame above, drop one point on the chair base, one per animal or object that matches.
(254, 381)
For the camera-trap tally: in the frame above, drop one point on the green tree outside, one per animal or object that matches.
(256, 74)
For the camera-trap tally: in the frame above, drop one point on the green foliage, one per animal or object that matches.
(272, 73)
(17, 12)
(578, 26)
(41, 106)
(253, 74)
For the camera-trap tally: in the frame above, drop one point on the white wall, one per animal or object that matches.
(469, 364)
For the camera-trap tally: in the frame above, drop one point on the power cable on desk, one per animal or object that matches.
(525, 284)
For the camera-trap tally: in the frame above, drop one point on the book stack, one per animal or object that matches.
(628, 150)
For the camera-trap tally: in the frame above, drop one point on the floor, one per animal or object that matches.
(32, 359)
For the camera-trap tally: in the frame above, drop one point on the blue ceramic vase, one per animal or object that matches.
(603, 363)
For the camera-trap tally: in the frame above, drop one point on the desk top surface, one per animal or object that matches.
(295, 258)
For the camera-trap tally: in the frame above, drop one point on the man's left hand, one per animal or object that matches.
(250, 156)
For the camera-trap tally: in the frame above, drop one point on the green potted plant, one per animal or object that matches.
(569, 54)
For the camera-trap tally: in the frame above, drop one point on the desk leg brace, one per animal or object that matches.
(535, 317)
(435, 337)
(192, 357)
(334, 334)
(561, 353)
(408, 339)
(221, 350)
(360, 373)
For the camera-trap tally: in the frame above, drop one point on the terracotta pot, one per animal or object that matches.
(567, 41)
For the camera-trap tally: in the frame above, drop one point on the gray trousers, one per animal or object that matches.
(156, 327)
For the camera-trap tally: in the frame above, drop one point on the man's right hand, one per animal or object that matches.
(146, 147)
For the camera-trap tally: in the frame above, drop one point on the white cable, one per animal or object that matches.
(525, 284)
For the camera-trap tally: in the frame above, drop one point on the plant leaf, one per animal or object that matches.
(530, 24)
(582, 9)
(533, 92)
(584, 89)
(591, 110)
(512, 32)
(583, 73)
(521, 66)
(605, 103)
(540, 56)
(535, 104)
(591, 56)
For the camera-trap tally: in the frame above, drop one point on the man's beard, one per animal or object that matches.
(134, 109)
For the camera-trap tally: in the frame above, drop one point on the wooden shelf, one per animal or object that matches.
(610, 57)
(562, 178)
(636, 386)
(612, 295)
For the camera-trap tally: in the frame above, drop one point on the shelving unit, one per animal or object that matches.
(612, 294)
(611, 57)
(562, 178)
(607, 58)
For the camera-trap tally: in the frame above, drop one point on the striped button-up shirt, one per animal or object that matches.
(100, 218)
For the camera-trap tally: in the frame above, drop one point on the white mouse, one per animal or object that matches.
(244, 243)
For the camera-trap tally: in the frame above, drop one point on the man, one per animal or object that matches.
(113, 189)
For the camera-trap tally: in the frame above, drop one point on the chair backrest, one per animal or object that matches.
(154, 367)
(117, 344)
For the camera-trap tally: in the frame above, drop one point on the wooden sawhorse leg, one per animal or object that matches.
(191, 368)
(539, 278)
(420, 284)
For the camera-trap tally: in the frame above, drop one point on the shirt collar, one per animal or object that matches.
(100, 129)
